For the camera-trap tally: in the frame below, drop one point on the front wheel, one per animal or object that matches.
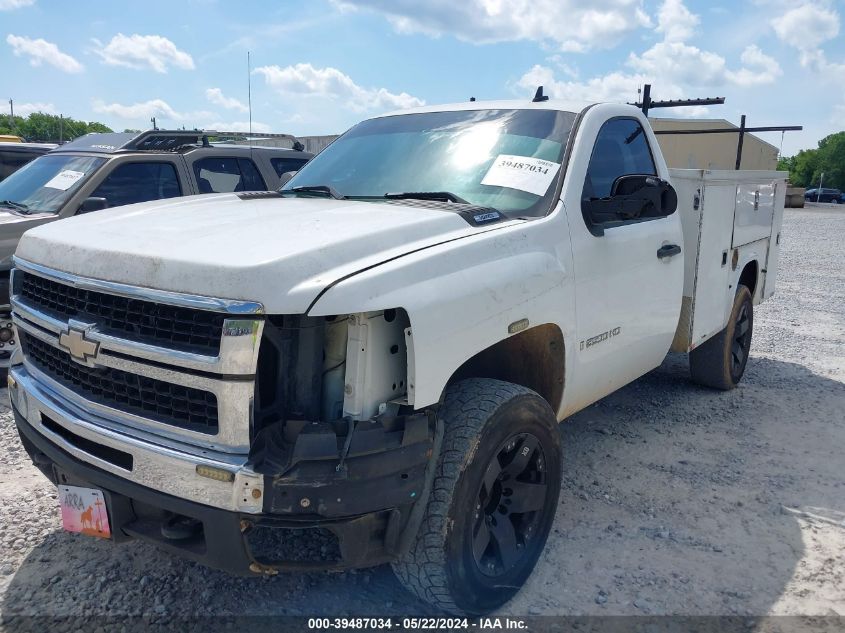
(720, 361)
(493, 500)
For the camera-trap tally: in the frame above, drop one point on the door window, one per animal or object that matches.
(222, 174)
(621, 148)
(139, 182)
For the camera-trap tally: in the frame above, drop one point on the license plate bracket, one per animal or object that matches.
(84, 511)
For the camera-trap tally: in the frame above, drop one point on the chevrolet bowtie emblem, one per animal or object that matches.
(80, 348)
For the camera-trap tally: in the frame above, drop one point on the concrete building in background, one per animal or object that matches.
(711, 151)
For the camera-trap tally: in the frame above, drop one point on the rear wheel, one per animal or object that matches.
(493, 502)
(720, 361)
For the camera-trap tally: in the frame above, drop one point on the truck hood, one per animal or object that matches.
(12, 226)
(278, 251)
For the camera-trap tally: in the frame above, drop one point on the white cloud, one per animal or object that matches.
(237, 126)
(763, 68)
(676, 68)
(568, 25)
(11, 5)
(675, 21)
(677, 62)
(145, 110)
(305, 79)
(41, 51)
(143, 51)
(807, 26)
(25, 109)
(216, 96)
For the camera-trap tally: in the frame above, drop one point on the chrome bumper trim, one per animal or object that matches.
(159, 464)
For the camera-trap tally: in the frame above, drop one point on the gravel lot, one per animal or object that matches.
(676, 499)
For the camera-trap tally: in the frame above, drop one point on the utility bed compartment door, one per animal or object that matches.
(720, 211)
(755, 205)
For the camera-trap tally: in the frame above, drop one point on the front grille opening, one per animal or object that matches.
(106, 453)
(184, 407)
(169, 326)
(277, 545)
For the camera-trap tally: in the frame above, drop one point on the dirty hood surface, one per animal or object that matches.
(278, 251)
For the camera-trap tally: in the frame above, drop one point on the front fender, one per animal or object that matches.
(461, 298)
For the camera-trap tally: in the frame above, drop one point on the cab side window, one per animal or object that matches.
(621, 149)
(223, 174)
(139, 182)
(283, 165)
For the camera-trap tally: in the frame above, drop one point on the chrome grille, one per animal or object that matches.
(159, 324)
(176, 405)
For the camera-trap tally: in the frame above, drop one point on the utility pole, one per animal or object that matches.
(153, 121)
(12, 115)
(61, 128)
(819, 190)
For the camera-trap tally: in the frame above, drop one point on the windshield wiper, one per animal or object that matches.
(316, 189)
(445, 196)
(17, 206)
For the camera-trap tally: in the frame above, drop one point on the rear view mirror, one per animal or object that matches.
(93, 204)
(285, 177)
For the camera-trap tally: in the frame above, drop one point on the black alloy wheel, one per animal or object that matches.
(509, 505)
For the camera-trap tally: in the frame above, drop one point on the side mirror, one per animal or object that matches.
(285, 177)
(93, 204)
(632, 197)
(659, 197)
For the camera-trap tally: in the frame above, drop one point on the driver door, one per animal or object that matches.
(628, 295)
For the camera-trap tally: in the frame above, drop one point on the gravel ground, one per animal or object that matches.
(676, 499)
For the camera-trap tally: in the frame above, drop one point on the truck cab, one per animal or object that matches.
(381, 351)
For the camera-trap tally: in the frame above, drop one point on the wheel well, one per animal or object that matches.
(749, 276)
(533, 358)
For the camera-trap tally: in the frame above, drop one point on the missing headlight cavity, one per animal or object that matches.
(328, 368)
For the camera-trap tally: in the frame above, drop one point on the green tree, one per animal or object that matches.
(807, 166)
(51, 128)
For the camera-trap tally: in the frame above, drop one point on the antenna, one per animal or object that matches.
(249, 97)
(539, 96)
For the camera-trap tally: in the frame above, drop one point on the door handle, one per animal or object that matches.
(668, 250)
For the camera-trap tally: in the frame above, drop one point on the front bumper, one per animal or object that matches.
(365, 517)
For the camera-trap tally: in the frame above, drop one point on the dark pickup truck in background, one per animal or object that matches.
(14, 155)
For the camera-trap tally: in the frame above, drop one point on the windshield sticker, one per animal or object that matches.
(64, 180)
(525, 173)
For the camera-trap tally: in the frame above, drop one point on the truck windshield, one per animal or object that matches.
(508, 160)
(45, 184)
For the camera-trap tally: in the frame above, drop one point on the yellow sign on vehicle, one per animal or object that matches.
(10, 138)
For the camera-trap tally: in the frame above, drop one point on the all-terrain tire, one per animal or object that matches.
(491, 428)
(720, 361)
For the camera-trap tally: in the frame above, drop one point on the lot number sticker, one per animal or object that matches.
(64, 180)
(525, 173)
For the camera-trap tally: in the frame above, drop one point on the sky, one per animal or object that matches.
(320, 66)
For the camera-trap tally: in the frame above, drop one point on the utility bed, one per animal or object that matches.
(728, 218)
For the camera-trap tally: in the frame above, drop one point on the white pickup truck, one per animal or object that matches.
(380, 353)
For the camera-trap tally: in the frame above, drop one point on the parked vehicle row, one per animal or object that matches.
(380, 352)
(99, 171)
